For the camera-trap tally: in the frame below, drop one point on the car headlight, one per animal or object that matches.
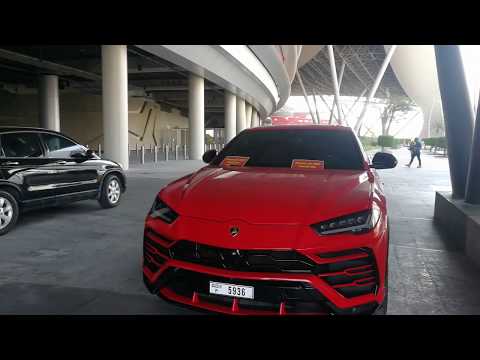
(160, 210)
(356, 223)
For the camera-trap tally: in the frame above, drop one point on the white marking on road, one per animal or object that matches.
(413, 218)
(418, 248)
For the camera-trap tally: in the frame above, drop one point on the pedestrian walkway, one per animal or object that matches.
(428, 274)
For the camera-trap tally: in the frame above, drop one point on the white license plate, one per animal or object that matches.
(239, 291)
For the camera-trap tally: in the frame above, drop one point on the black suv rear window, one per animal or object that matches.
(21, 145)
(338, 149)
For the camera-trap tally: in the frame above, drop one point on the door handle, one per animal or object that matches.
(11, 163)
(62, 162)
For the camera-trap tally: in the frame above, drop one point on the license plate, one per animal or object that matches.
(239, 291)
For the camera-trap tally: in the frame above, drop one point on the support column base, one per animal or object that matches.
(461, 222)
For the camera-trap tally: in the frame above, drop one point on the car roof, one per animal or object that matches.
(302, 127)
(25, 128)
(7, 129)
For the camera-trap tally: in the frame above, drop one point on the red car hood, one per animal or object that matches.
(269, 196)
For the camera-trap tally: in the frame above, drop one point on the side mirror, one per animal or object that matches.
(209, 156)
(82, 155)
(78, 155)
(383, 160)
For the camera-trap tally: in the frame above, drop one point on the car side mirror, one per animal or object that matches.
(209, 156)
(78, 154)
(383, 160)
(82, 155)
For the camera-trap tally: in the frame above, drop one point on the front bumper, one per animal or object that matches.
(344, 282)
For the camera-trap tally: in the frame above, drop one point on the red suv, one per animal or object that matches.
(284, 220)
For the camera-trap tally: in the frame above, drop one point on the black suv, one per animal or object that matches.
(41, 168)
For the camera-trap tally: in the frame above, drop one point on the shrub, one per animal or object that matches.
(386, 141)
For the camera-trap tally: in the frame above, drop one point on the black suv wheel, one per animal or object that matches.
(111, 192)
(8, 211)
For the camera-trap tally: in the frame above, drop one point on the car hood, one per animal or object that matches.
(268, 195)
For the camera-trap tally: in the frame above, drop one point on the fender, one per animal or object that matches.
(6, 183)
(117, 172)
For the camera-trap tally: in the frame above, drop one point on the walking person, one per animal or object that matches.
(415, 149)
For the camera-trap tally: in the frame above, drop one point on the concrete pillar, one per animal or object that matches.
(115, 103)
(248, 115)
(241, 121)
(255, 121)
(49, 108)
(472, 194)
(230, 116)
(457, 112)
(196, 116)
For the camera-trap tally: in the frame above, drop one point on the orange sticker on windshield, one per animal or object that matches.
(235, 161)
(308, 164)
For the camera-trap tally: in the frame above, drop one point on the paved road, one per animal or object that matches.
(81, 259)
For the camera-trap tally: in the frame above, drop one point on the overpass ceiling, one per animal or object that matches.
(362, 64)
(79, 68)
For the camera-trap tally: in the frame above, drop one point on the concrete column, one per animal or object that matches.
(230, 116)
(196, 116)
(254, 117)
(472, 194)
(115, 103)
(457, 112)
(241, 121)
(49, 108)
(248, 114)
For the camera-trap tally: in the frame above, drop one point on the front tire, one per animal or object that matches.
(9, 212)
(111, 192)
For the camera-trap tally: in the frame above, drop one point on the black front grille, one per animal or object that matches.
(274, 261)
(268, 295)
(351, 272)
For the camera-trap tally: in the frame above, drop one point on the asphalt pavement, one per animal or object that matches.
(82, 259)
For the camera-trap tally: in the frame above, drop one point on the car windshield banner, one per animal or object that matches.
(308, 164)
(235, 161)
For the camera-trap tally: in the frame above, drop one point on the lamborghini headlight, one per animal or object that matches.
(356, 223)
(160, 210)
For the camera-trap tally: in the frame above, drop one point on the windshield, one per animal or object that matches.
(336, 149)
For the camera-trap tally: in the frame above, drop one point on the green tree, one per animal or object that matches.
(209, 139)
(396, 110)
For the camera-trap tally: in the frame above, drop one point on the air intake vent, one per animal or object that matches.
(351, 272)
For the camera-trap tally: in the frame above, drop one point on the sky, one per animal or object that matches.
(412, 126)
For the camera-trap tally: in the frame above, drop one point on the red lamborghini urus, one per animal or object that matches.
(284, 220)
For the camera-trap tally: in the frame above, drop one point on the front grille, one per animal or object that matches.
(297, 296)
(273, 261)
(352, 272)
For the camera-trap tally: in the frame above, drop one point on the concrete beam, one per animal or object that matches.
(49, 66)
(177, 88)
(150, 70)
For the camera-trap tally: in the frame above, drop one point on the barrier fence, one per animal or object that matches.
(151, 153)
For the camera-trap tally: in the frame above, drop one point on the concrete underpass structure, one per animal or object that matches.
(115, 98)
(119, 98)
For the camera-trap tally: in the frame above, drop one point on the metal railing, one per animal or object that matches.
(142, 154)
